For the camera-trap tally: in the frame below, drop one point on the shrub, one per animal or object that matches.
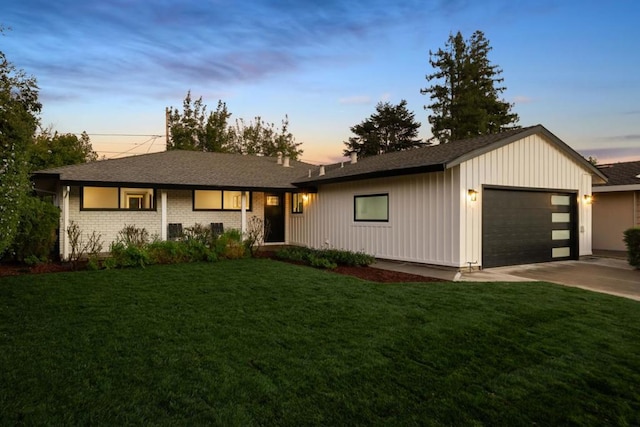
(325, 258)
(229, 245)
(130, 235)
(166, 252)
(632, 240)
(123, 255)
(199, 233)
(36, 234)
(257, 231)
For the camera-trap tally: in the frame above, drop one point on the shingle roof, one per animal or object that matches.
(185, 169)
(627, 173)
(435, 158)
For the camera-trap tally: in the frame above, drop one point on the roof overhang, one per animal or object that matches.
(375, 174)
(614, 188)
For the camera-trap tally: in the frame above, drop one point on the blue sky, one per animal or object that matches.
(111, 67)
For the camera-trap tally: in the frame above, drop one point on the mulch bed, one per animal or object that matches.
(371, 274)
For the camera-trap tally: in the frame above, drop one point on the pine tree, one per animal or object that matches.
(390, 128)
(465, 95)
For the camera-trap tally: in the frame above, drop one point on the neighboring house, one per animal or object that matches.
(513, 198)
(616, 205)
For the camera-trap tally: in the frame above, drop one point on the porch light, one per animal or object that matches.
(588, 199)
(305, 197)
(472, 195)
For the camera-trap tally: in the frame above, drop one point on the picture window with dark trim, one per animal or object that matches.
(372, 207)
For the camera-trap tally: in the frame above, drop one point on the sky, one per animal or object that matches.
(111, 67)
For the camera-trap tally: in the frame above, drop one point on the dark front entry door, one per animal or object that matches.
(274, 217)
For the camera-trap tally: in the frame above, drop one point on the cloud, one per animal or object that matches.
(627, 137)
(613, 154)
(355, 100)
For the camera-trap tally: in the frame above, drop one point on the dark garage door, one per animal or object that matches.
(524, 227)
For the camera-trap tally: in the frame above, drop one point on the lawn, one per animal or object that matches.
(259, 342)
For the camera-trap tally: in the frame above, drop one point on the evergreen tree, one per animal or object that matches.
(19, 109)
(466, 90)
(390, 128)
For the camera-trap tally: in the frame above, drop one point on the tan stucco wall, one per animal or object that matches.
(612, 214)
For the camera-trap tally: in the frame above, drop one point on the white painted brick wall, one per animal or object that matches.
(179, 210)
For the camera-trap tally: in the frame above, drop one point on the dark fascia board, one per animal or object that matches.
(538, 129)
(375, 174)
(175, 186)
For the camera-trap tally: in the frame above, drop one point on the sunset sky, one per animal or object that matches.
(110, 68)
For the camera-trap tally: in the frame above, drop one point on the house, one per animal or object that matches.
(617, 205)
(516, 197)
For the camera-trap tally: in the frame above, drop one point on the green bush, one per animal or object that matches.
(632, 240)
(325, 258)
(166, 252)
(229, 245)
(36, 234)
(128, 255)
(200, 233)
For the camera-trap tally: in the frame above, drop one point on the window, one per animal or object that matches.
(297, 202)
(373, 207)
(106, 198)
(218, 200)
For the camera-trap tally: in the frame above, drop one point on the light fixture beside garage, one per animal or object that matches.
(472, 195)
(588, 199)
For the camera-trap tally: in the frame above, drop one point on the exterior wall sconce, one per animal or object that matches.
(305, 197)
(472, 195)
(588, 199)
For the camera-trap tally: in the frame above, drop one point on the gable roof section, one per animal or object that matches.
(183, 169)
(623, 176)
(437, 158)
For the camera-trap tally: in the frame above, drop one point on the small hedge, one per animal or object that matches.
(197, 244)
(632, 240)
(36, 236)
(325, 258)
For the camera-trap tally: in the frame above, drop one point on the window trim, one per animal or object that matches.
(297, 208)
(361, 196)
(122, 206)
(193, 202)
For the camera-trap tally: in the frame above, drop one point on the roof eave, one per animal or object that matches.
(538, 129)
(375, 174)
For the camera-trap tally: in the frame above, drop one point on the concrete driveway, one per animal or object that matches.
(607, 275)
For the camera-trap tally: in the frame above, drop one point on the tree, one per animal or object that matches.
(19, 109)
(390, 128)
(261, 138)
(195, 130)
(50, 150)
(466, 90)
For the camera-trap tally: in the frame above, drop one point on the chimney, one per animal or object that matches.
(286, 161)
(321, 170)
(279, 158)
(354, 157)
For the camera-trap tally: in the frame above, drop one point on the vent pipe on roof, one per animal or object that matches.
(321, 170)
(279, 158)
(309, 173)
(286, 161)
(354, 157)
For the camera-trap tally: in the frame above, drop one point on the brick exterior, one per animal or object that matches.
(179, 210)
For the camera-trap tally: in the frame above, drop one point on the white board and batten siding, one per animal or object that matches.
(431, 219)
(423, 219)
(531, 162)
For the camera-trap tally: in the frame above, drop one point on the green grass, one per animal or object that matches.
(259, 342)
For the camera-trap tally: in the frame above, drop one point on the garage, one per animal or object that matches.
(524, 226)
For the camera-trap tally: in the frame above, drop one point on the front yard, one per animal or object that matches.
(260, 342)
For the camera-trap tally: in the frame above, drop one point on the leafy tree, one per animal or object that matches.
(261, 138)
(19, 109)
(390, 128)
(466, 89)
(50, 150)
(194, 129)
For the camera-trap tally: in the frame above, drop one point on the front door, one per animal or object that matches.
(274, 217)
